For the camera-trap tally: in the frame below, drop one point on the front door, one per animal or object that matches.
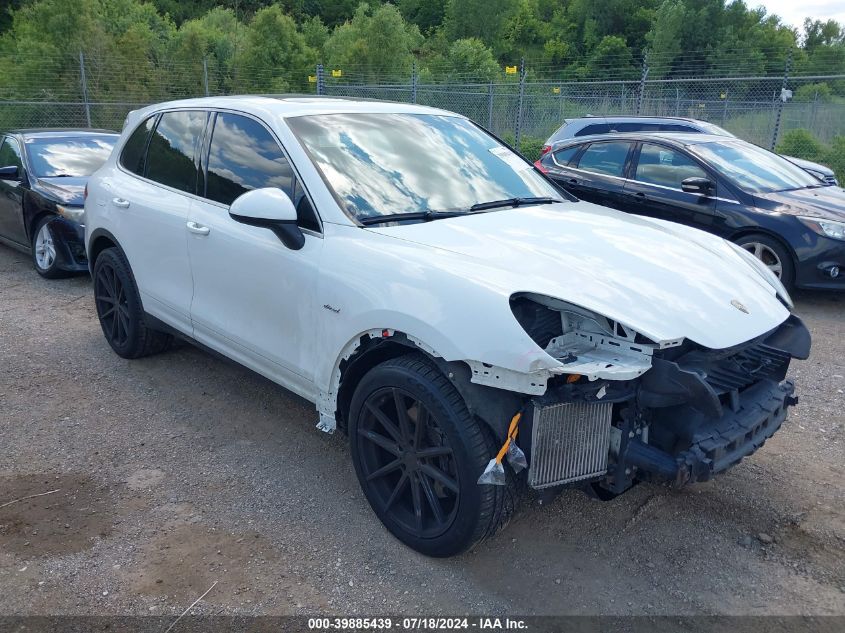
(11, 195)
(654, 188)
(253, 297)
(599, 176)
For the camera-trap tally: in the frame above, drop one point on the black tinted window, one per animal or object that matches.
(605, 158)
(595, 128)
(635, 127)
(678, 127)
(244, 156)
(10, 153)
(563, 156)
(170, 158)
(132, 156)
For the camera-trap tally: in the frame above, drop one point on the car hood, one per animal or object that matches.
(665, 281)
(70, 191)
(808, 164)
(823, 202)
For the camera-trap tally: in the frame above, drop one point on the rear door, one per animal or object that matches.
(654, 187)
(148, 202)
(11, 194)
(599, 173)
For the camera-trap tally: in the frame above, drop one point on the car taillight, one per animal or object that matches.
(546, 150)
(541, 167)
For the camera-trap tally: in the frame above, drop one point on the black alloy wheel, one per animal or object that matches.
(112, 305)
(408, 463)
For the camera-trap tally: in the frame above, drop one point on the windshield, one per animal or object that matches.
(76, 157)
(752, 168)
(388, 164)
(712, 128)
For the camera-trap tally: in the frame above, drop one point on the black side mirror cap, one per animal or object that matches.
(702, 186)
(288, 232)
(11, 172)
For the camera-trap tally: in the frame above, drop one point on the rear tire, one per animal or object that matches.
(120, 311)
(44, 249)
(773, 254)
(418, 454)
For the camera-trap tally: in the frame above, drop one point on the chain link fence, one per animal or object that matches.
(799, 114)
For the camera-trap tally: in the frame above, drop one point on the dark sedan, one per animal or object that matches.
(787, 218)
(42, 182)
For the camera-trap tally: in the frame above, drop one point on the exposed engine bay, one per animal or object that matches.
(625, 409)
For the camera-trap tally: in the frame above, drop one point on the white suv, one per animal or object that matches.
(472, 328)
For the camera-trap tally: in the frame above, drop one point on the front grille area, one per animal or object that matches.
(830, 179)
(747, 367)
(569, 442)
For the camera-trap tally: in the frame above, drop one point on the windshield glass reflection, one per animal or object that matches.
(72, 157)
(384, 164)
(752, 168)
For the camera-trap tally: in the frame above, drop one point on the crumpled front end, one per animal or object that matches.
(682, 414)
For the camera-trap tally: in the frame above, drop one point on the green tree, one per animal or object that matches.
(477, 18)
(274, 56)
(801, 143)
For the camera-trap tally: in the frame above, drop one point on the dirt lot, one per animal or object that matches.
(180, 470)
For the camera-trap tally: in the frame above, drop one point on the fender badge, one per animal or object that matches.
(739, 306)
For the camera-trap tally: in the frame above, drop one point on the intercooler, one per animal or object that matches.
(569, 442)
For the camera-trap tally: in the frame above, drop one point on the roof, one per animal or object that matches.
(677, 138)
(637, 117)
(297, 105)
(55, 132)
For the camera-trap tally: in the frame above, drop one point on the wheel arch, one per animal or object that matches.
(494, 407)
(100, 240)
(758, 230)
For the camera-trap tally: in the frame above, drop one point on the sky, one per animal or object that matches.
(793, 12)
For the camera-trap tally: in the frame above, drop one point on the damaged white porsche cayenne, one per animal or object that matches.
(473, 330)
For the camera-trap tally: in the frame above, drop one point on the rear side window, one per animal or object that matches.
(678, 127)
(635, 127)
(565, 155)
(132, 156)
(605, 158)
(173, 147)
(595, 128)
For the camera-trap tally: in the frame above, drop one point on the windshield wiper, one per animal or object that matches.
(512, 202)
(425, 216)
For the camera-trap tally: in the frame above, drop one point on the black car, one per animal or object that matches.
(787, 218)
(42, 182)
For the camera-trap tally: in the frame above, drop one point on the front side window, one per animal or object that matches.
(664, 166)
(10, 153)
(752, 168)
(173, 148)
(605, 158)
(135, 150)
(71, 157)
(391, 163)
(243, 156)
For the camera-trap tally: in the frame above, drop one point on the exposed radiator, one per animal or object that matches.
(569, 442)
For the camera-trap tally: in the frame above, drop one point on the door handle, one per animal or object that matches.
(572, 181)
(120, 203)
(640, 197)
(199, 229)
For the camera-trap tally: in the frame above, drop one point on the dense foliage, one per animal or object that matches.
(270, 46)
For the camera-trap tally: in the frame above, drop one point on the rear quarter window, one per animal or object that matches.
(134, 151)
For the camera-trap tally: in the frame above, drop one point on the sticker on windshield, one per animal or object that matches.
(516, 163)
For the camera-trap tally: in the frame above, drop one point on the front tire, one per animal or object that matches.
(120, 311)
(418, 454)
(45, 250)
(773, 254)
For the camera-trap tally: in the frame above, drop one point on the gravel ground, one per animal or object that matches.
(181, 470)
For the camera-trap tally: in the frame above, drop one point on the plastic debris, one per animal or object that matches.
(494, 474)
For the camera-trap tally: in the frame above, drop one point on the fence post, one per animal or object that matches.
(490, 106)
(725, 108)
(414, 81)
(320, 87)
(205, 74)
(677, 101)
(779, 111)
(518, 132)
(642, 84)
(84, 88)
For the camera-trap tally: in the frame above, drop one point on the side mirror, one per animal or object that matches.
(701, 186)
(10, 173)
(270, 208)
